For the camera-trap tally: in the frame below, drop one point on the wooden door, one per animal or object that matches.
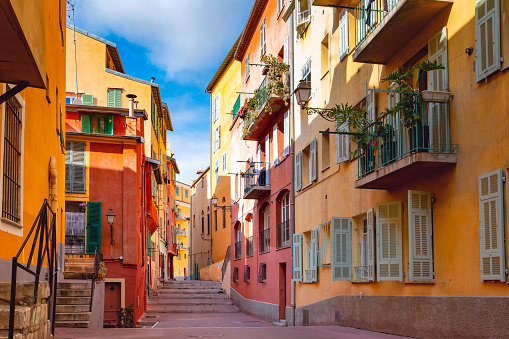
(112, 302)
(282, 291)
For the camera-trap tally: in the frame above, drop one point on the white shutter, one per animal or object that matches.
(213, 109)
(218, 106)
(487, 38)
(370, 104)
(491, 226)
(343, 31)
(371, 245)
(287, 134)
(389, 241)
(285, 51)
(259, 154)
(313, 161)
(298, 170)
(224, 163)
(267, 158)
(297, 257)
(341, 249)
(420, 233)
(342, 145)
(313, 255)
(275, 145)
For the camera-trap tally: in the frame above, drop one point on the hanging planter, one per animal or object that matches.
(436, 96)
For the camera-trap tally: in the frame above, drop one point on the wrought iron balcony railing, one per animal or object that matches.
(283, 234)
(265, 241)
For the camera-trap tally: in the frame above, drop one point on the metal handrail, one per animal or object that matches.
(45, 240)
(98, 257)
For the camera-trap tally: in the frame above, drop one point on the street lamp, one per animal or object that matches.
(302, 96)
(110, 216)
(213, 200)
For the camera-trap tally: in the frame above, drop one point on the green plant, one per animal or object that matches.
(126, 317)
(278, 77)
(102, 268)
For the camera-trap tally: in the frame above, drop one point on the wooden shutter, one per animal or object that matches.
(389, 241)
(109, 125)
(298, 170)
(68, 165)
(118, 98)
(313, 255)
(93, 226)
(420, 234)
(267, 158)
(87, 99)
(285, 51)
(297, 257)
(85, 123)
(343, 31)
(275, 145)
(286, 134)
(313, 160)
(342, 145)
(487, 38)
(370, 104)
(111, 98)
(491, 226)
(341, 249)
(371, 245)
(78, 179)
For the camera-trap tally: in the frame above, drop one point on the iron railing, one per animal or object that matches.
(362, 273)
(256, 175)
(364, 27)
(249, 246)
(45, 241)
(238, 250)
(397, 139)
(98, 257)
(259, 98)
(225, 262)
(283, 234)
(265, 241)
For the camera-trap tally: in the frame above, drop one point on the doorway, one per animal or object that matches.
(112, 301)
(282, 291)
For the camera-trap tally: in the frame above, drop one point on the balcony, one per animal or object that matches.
(256, 181)
(265, 241)
(260, 117)
(390, 29)
(182, 233)
(249, 246)
(238, 247)
(283, 235)
(405, 152)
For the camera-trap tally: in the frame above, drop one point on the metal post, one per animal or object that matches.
(13, 297)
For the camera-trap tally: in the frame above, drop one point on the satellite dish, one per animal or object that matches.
(77, 101)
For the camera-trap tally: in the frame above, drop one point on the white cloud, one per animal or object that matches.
(183, 38)
(192, 152)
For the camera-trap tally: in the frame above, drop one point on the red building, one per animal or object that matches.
(104, 160)
(172, 212)
(261, 250)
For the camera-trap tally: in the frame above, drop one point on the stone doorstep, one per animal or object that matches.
(73, 300)
(25, 317)
(74, 285)
(74, 293)
(174, 291)
(84, 316)
(166, 287)
(24, 292)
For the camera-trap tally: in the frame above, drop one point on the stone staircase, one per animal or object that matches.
(79, 267)
(73, 303)
(188, 296)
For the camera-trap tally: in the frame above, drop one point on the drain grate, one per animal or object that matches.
(205, 335)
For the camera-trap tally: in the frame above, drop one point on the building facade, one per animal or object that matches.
(201, 247)
(183, 215)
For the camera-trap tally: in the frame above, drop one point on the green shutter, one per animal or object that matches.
(93, 226)
(341, 249)
(85, 123)
(236, 107)
(108, 129)
(118, 98)
(111, 98)
(78, 167)
(88, 99)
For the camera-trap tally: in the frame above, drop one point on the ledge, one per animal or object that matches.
(419, 283)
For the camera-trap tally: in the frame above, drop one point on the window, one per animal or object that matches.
(280, 5)
(216, 140)
(341, 250)
(216, 170)
(305, 167)
(275, 145)
(87, 99)
(98, 124)
(323, 246)
(115, 97)
(75, 166)
(364, 270)
(235, 277)
(223, 158)
(208, 223)
(325, 150)
(247, 273)
(215, 107)
(303, 10)
(262, 273)
(13, 161)
(177, 191)
(265, 230)
(491, 226)
(420, 232)
(263, 37)
(187, 194)
(224, 217)
(342, 145)
(388, 234)
(324, 60)
(297, 257)
(370, 105)
(202, 223)
(248, 66)
(306, 71)
(343, 34)
(286, 134)
(283, 232)
(487, 38)
(309, 255)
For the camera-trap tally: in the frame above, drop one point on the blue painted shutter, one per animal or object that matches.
(93, 226)
(341, 249)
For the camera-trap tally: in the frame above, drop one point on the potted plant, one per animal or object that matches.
(83, 206)
(101, 272)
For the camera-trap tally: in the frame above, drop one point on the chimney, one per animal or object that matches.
(136, 105)
(131, 104)
(152, 79)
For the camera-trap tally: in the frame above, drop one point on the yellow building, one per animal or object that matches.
(224, 91)
(32, 106)
(200, 220)
(183, 206)
(96, 77)
(404, 232)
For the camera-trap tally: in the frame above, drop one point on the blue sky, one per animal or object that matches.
(181, 44)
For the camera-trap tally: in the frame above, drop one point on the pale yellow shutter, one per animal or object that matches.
(389, 241)
(420, 233)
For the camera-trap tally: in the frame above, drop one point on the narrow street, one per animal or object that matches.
(183, 309)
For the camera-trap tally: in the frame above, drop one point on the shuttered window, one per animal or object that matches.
(248, 66)
(487, 38)
(267, 159)
(298, 171)
(224, 162)
(371, 245)
(115, 97)
(297, 257)
(216, 104)
(286, 132)
(342, 145)
(313, 161)
(389, 241)
(75, 166)
(87, 99)
(323, 247)
(343, 34)
(491, 226)
(98, 124)
(93, 226)
(263, 37)
(313, 257)
(341, 249)
(275, 144)
(370, 105)
(420, 234)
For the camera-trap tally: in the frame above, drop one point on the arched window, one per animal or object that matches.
(283, 229)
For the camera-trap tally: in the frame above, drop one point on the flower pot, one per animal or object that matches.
(419, 138)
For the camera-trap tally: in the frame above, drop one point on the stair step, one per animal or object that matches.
(165, 296)
(73, 300)
(78, 275)
(192, 310)
(85, 316)
(189, 302)
(192, 283)
(190, 287)
(80, 324)
(74, 285)
(79, 260)
(72, 308)
(74, 292)
(176, 291)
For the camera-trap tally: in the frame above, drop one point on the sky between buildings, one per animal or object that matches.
(181, 44)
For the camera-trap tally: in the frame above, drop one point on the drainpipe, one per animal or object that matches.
(292, 156)
(53, 195)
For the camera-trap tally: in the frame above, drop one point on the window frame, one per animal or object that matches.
(247, 66)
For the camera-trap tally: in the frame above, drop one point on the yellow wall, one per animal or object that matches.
(477, 125)
(185, 205)
(227, 87)
(41, 138)
(200, 202)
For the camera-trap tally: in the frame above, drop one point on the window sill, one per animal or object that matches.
(419, 283)
(287, 246)
(325, 168)
(309, 282)
(361, 282)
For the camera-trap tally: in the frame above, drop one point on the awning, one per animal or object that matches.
(152, 223)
